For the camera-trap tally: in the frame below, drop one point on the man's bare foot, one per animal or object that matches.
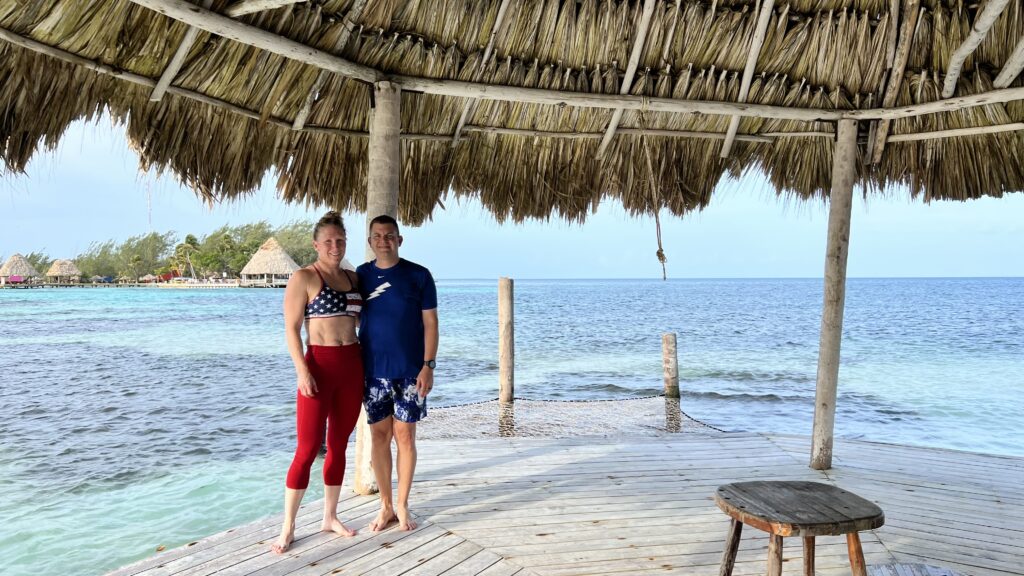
(405, 521)
(335, 525)
(385, 517)
(284, 541)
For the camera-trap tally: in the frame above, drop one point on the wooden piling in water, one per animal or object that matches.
(670, 364)
(506, 342)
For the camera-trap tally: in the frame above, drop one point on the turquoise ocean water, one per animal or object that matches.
(138, 418)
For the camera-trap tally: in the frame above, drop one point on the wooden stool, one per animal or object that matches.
(806, 509)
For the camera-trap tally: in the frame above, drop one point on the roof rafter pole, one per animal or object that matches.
(958, 132)
(748, 71)
(1012, 68)
(177, 61)
(982, 24)
(383, 179)
(243, 7)
(959, 103)
(907, 29)
(349, 24)
(588, 100)
(257, 37)
(498, 20)
(631, 66)
(844, 158)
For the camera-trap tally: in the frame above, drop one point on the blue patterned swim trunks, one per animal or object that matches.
(396, 397)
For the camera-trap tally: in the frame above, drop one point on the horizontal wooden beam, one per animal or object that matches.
(214, 23)
(951, 105)
(957, 132)
(461, 89)
(1012, 68)
(982, 24)
(243, 7)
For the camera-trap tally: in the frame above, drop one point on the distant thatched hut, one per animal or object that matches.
(63, 271)
(270, 266)
(19, 267)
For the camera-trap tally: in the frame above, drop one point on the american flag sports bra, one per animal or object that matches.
(329, 302)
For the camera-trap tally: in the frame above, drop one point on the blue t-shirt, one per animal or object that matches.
(391, 323)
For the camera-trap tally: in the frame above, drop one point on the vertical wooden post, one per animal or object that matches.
(670, 364)
(382, 184)
(840, 207)
(506, 342)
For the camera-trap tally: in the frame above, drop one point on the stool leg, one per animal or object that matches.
(775, 555)
(808, 555)
(732, 545)
(856, 555)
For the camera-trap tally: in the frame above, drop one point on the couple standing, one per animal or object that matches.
(389, 367)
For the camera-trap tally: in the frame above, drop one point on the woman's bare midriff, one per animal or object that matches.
(335, 331)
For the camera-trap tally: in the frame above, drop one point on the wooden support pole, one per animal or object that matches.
(382, 187)
(631, 66)
(840, 206)
(982, 24)
(1012, 67)
(748, 71)
(506, 342)
(670, 364)
(243, 7)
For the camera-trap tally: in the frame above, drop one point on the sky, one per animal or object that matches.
(90, 189)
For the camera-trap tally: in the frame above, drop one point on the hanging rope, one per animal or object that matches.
(653, 190)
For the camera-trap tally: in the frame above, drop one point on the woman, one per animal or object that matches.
(329, 375)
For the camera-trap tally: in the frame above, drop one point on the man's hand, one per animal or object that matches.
(424, 381)
(307, 385)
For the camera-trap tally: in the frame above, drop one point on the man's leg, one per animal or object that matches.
(380, 459)
(405, 438)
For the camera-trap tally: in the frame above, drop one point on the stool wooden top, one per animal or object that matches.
(789, 508)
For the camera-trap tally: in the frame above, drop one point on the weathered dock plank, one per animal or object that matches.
(618, 506)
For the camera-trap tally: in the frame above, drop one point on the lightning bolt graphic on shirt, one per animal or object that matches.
(379, 290)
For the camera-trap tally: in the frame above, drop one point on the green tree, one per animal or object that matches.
(296, 238)
(145, 253)
(182, 258)
(101, 259)
(40, 261)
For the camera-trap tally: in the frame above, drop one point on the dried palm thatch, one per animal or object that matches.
(63, 269)
(18, 265)
(270, 260)
(232, 110)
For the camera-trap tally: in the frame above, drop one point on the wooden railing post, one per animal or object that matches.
(506, 342)
(670, 364)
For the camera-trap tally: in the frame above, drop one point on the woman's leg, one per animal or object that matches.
(310, 419)
(341, 420)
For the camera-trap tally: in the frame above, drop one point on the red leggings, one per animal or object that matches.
(338, 372)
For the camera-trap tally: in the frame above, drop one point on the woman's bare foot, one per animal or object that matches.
(405, 521)
(385, 517)
(335, 525)
(284, 541)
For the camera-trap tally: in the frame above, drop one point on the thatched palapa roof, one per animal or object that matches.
(62, 268)
(18, 265)
(648, 102)
(271, 260)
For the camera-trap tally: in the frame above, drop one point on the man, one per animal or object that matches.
(398, 332)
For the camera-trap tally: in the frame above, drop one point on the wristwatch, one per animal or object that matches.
(430, 364)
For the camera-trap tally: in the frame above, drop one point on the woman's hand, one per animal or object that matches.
(307, 385)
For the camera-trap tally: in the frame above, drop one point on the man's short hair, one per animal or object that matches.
(384, 219)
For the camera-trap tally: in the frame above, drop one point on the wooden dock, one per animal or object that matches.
(582, 506)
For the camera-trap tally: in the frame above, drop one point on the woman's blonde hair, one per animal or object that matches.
(332, 218)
